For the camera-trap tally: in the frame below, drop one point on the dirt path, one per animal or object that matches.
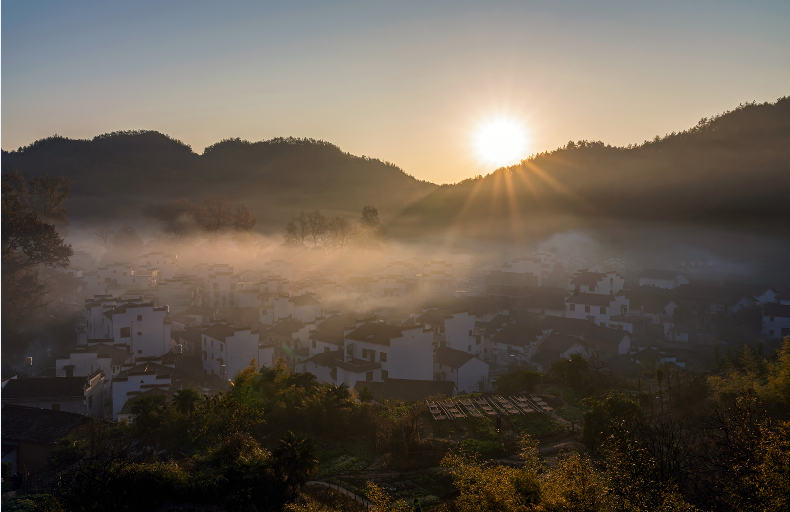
(348, 492)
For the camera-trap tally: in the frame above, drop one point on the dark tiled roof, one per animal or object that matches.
(286, 328)
(407, 390)
(55, 387)
(517, 335)
(570, 326)
(303, 300)
(378, 333)
(196, 311)
(590, 279)
(558, 343)
(145, 369)
(40, 426)
(542, 300)
(590, 299)
(652, 273)
(219, 331)
(434, 317)
(774, 309)
(450, 357)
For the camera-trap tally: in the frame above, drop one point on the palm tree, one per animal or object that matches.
(295, 459)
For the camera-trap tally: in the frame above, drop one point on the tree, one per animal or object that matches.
(216, 215)
(126, 242)
(27, 243)
(295, 459)
(342, 232)
(101, 228)
(243, 220)
(316, 225)
(179, 218)
(44, 195)
(370, 218)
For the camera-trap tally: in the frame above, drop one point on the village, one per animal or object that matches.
(411, 330)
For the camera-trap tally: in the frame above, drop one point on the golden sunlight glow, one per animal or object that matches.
(501, 142)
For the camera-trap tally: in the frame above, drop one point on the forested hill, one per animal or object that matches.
(732, 170)
(132, 173)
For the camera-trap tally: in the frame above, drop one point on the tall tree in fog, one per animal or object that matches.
(341, 232)
(125, 244)
(28, 242)
(370, 229)
(243, 219)
(317, 224)
(216, 216)
(101, 229)
(297, 230)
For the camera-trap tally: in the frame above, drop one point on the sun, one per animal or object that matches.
(501, 142)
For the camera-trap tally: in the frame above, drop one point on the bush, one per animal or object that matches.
(486, 449)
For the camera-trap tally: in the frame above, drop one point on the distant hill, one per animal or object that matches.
(132, 173)
(731, 171)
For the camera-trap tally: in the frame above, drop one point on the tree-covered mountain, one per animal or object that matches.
(731, 170)
(131, 173)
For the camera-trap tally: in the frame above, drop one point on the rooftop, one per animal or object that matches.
(40, 426)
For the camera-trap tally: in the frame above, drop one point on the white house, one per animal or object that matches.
(166, 263)
(304, 308)
(227, 350)
(389, 286)
(609, 283)
(138, 379)
(454, 329)
(595, 307)
(222, 289)
(468, 372)
(279, 267)
(776, 320)
(403, 352)
(85, 360)
(145, 328)
(667, 279)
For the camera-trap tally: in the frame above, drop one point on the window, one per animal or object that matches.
(232, 286)
(469, 348)
(572, 307)
(204, 356)
(785, 331)
(772, 319)
(212, 343)
(383, 357)
(364, 352)
(369, 376)
(231, 294)
(611, 280)
(221, 347)
(350, 350)
(139, 318)
(603, 310)
(663, 311)
(477, 340)
(123, 274)
(771, 332)
(55, 407)
(384, 374)
(313, 343)
(126, 332)
(485, 351)
(452, 370)
(139, 333)
(215, 286)
(603, 324)
(139, 351)
(586, 309)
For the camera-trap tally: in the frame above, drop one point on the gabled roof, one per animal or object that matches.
(590, 279)
(652, 273)
(605, 335)
(542, 300)
(590, 299)
(517, 335)
(39, 426)
(219, 331)
(434, 317)
(303, 300)
(652, 299)
(375, 332)
(451, 357)
(774, 309)
(406, 389)
(46, 387)
(570, 326)
(286, 328)
(148, 368)
(755, 290)
(556, 344)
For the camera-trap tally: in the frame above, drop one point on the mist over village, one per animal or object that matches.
(458, 286)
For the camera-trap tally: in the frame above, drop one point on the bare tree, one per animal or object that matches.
(341, 230)
(316, 223)
(302, 224)
(102, 229)
(243, 219)
(216, 215)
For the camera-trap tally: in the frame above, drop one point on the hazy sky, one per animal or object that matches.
(407, 82)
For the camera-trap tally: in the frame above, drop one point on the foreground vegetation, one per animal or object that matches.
(713, 443)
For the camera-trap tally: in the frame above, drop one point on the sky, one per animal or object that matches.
(406, 82)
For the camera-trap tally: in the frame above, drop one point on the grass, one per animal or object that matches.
(344, 458)
(570, 413)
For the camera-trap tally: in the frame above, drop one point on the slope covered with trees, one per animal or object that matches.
(123, 173)
(730, 170)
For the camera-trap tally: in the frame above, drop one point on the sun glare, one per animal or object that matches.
(501, 142)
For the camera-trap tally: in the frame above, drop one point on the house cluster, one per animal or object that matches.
(410, 328)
